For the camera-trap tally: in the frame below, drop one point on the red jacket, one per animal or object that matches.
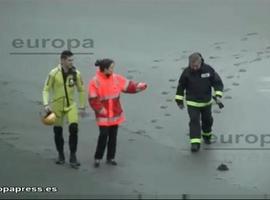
(104, 97)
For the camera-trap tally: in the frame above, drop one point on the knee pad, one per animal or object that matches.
(58, 130)
(73, 128)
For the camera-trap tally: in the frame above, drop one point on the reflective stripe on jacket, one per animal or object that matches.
(104, 97)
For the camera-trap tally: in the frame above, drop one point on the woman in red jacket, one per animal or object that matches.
(104, 98)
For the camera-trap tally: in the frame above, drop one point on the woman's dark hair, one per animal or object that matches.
(104, 63)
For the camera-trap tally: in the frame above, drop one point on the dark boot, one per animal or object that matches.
(61, 159)
(96, 163)
(111, 162)
(195, 147)
(207, 139)
(73, 160)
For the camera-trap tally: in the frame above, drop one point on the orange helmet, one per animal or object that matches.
(49, 118)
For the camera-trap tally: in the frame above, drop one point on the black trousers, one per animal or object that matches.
(198, 115)
(59, 139)
(107, 137)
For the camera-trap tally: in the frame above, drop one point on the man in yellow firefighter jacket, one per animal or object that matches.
(61, 83)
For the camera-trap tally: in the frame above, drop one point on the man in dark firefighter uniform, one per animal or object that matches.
(197, 81)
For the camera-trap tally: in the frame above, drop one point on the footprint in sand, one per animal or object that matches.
(173, 87)
(260, 53)
(237, 56)
(240, 63)
(268, 47)
(256, 60)
(177, 59)
(131, 140)
(155, 67)
(8, 133)
(157, 60)
(167, 114)
(213, 57)
(218, 47)
(164, 93)
(229, 77)
(4, 83)
(251, 34)
(140, 132)
(169, 100)
(244, 39)
(163, 107)
(219, 43)
(219, 178)
(159, 127)
(228, 97)
(242, 70)
(132, 71)
(226, 90)
(172, 80)
(154, 121)
(216, 111)
(235, 84)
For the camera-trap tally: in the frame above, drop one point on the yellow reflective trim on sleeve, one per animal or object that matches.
(179, 97)
(206, 134)
(218, 93)
(195, 140)
(198, 104)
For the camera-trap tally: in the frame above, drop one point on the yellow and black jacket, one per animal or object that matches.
(196, 86)
(63, 97)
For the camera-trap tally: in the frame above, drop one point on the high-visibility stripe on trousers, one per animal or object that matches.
(200, 120)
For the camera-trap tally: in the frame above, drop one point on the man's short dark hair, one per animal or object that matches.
(65, 54)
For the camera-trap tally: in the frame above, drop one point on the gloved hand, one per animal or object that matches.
(141, 86)
(218, 101)
(180, 104)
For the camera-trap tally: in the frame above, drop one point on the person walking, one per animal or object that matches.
(104, 98)
(195, 86)
(61, 83)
